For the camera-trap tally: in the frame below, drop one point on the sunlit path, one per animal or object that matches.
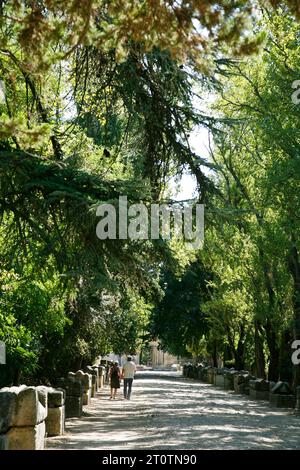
(170, 412)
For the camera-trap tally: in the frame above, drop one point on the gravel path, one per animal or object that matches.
(169, 412)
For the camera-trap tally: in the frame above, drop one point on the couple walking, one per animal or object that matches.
(128, 371)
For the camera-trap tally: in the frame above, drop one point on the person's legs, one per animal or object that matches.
(129, 388)
(111, 393)
(125, 388)
(115, 392)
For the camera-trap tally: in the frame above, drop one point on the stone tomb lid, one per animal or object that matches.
(282, 388)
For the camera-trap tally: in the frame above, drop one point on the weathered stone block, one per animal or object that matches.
(55, 421)
(93, 371)
(271, 385)
(8, 405)
(73, 406)
(101, 381)
(71, 386)
(96, 368)
(86, 379)
(94, 386)
(72, 375)
(56, 398)
(31, 406)
(281, 388)
(297, 409)
(282, 401)
(200, 368)
(42, 395)
(203, 374)
(195, 371)
(220, 377)
(259, 389)
(24, 438)
(211, 375)
(22, 406)
(259, 395)
(190, 371)
(229, 379)
(86, 397)
(220, 380)
(241, 383)
(282, 396)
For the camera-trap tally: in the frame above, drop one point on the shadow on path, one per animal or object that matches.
(168, 411)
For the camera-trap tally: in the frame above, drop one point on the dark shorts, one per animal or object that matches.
(115, 382)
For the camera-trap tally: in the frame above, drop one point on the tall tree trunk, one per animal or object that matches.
(240, 350)
(260, 363)
(272, 343)
(227, 354)
(215, 354)
(285, 363)
(17, 377)
(294, 267)
(271, 333)
(272, 340)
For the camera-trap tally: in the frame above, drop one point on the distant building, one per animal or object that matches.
(161, 358)
(121, 359)
(156, 357)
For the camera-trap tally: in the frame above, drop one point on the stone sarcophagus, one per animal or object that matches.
(229, 379)
(211, 372)
(297, 409)
(204, 374)
(241, 383)
(259, 389)
(86, 381)
(55, 421)
(220, 377)
(23, 411)
(93, 371)
(282, 396)
(73, 396)
(102, 373)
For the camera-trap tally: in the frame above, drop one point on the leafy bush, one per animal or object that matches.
(21, 354)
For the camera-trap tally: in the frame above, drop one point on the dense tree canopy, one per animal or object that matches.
(251, 245)
(99, 100)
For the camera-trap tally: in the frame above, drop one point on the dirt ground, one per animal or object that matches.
(168, 411)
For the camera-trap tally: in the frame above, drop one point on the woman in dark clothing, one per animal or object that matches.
(115, 376)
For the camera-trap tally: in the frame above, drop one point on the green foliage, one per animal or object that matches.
(179, 320)
(253, 245)
(31, 309)
(190, 31)
(89, 116)
(21, 352)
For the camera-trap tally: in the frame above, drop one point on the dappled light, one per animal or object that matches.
(169, 412)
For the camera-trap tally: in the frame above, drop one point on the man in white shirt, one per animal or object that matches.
(128, 371)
